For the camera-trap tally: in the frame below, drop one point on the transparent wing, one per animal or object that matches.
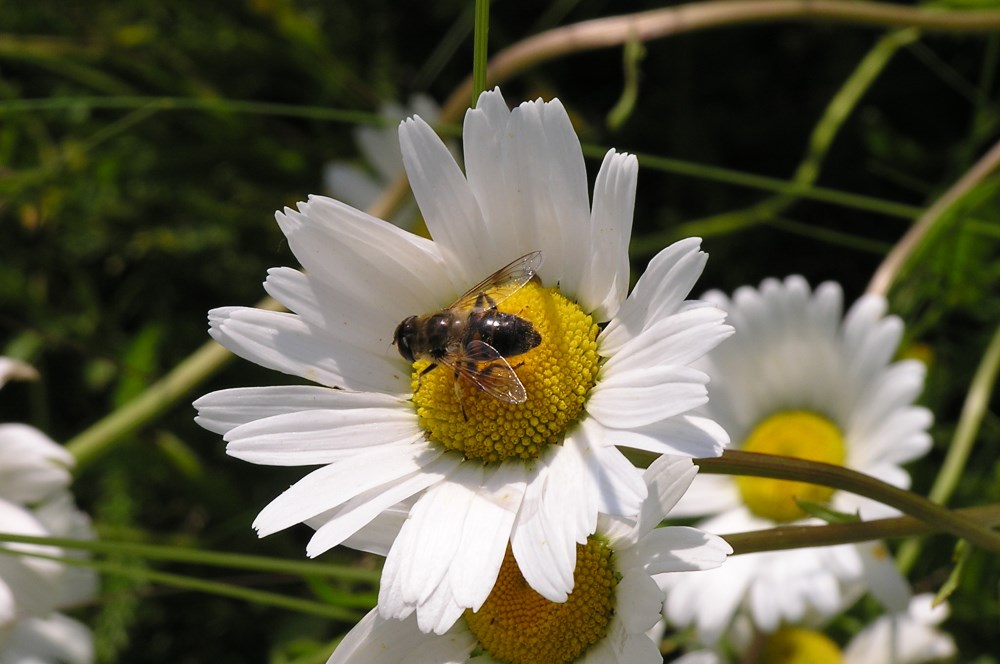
(483, 366)
(501, 284)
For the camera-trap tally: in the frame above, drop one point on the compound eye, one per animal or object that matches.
(404, 331)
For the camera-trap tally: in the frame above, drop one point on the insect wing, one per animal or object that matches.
(501, 284)
(482, 365)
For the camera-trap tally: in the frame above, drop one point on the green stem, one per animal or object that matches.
(658, 23)
(155, 400)
(801, 184)
(797, 537)
(480, 55)
(193, 104)
(973, 410)
(924, 230)
(179, 554)
(200, 585)
(735, 462)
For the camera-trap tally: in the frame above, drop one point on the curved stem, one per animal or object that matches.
(735, 462)
(155, 400)
(914, 238)
(179, 554)
(200, 585)
(645, 26)
(797, 537)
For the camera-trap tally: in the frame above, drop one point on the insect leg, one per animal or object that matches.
(420, 377)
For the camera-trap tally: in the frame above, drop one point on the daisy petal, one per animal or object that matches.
(227, 409)
(450, 210)
(544, 165)
(332, 485)
(683, 435)
(322, 436)
(643, 396)
(346, 249)
(285, 343)
(682, 549)
(661, 289)
(604, 281)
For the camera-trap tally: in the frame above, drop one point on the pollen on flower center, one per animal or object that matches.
(794, 433)
(795, 645)
(557, 376)
(519, 626)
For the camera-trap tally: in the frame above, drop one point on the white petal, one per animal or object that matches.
(661, 289)
(346, 520)
(330, 486)
(619, 485)
(455, 531)
(446, 201)
(313, 437)
(285, 343)
(377, 640)
(683, 435)
(377, 535)
(347, 182)
(638, 601)
(484, 135)
(604, 281)
(682, 549)
(227, 409)
(882, 578)
(708, 494)
(55, 638)
(676, 340)
(545, 168)
(668, 478)
(643, 396)
(544, 563)
(375, 271)
(11, 369)
(485, 537)
(33, 465)
(339, 313)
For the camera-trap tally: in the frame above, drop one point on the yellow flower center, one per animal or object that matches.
(518, 626)
(795, 645)
(794, 433)
(557, 376)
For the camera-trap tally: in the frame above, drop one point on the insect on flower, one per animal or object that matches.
(473, 338)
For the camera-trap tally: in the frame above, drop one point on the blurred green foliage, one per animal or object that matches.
(122, 227)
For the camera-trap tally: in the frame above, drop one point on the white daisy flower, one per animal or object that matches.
(907, 637)
(910, 636)
(358, 186)
(608, 618)
(34, 501)
(796, 380)
(531, 462)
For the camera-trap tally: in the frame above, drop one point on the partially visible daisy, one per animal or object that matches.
(910, 636)
(34, 501)
(480, 472)
(608, 617)
(359, 186)
(796, 380)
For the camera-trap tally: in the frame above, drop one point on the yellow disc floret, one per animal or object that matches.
(557, 376)
(518, 626)
(794, 433)
(795, 645)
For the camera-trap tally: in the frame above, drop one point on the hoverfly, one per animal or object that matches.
(472, 338)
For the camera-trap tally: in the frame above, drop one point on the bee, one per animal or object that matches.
(472, 338)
